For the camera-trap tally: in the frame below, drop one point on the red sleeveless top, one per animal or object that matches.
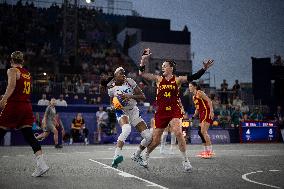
(200, 104)
(22, 90)
(167, 98)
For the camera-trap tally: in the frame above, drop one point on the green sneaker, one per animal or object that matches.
(118, 159)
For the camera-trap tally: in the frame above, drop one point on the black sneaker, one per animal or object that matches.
(58, 146)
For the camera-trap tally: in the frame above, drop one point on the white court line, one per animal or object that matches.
(124, 174)
(244, 176)
(82, 152)
(257, 155)
(112, 158)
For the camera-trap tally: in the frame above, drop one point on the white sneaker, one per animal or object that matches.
(187, 166)
(171, 151)
(41, 167)
(86, 141)
(162, 150)
(139, 160)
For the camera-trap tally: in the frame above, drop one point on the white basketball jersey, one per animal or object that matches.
(126, 88)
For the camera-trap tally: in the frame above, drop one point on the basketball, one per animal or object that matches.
(118, 103)
(215, 123)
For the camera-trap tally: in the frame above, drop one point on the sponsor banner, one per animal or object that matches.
(217, 136)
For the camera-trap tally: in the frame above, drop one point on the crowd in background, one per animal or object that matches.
(38, 33)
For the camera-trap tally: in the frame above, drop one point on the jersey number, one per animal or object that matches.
(27, 89)
(167, 94)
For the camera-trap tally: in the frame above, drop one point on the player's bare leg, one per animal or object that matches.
(125, 131)
(176, 128)
(147, 138)
(208, 145)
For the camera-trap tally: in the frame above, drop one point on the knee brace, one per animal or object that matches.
(30, 138)
(125, 131)
(147, 135)
(201, 135)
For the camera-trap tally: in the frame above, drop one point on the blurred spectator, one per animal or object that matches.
(80, 87)
(236, 116)
(245, 117)
(224, 92)
(99, 100)
(150, 110)
(244, 108)
(61, 101)
(256, 115)
(279, 120)
(77, 100)
(43, 101)
(237, 102)
(236, 88)
(78, 128)
(102, 121)
(225, 116)
(216, 105)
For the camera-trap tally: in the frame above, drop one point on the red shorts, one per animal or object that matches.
(204, 116)
(16, 114)
(162, 121)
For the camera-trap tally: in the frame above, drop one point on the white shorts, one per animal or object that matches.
(132, 114)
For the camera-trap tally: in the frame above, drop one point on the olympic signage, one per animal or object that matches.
(217, 136)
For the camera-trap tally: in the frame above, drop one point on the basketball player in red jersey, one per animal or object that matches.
(16, 108)
(167, 99)
(203, 107)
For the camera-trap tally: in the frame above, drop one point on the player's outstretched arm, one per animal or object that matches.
(188, 78)
(144, 60)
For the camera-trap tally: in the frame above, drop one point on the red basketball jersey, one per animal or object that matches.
(200, 104)
(168, 97)
(22, 90)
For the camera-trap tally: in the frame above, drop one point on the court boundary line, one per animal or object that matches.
(244, 176)
(125, 174)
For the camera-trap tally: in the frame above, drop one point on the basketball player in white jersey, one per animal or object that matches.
(126, 91)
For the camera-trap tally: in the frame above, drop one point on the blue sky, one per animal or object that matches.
(230, 31)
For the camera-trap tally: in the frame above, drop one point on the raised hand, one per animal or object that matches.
(207, 64)
(145, 56)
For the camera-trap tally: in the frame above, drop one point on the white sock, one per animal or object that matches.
(205, 148)
(184, 156)
(147, 155)
(86, 139)
(39, 159)
(173, 140)
(164, 140)
(138, 151)
(117, 151)
(209, 148)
